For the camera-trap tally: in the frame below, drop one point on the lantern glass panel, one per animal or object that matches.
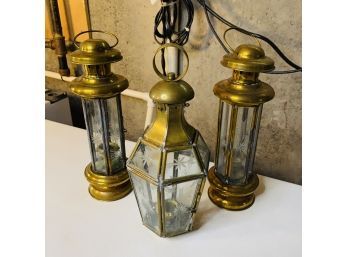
(179, 200)
(93, 120)
(146, 195)
(237, 142)
(203, 151)
(147, 158)
(181, 163)
(103, 125)
(114, 116)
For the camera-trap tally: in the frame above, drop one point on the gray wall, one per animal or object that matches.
(279, 147)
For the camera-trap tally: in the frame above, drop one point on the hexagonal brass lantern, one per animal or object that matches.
(169, 163)
(232, 180)
(100, 91)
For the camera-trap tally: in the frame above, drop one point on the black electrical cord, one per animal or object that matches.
(169, 21)
(167, 18)
(212, 28)
(207, 9)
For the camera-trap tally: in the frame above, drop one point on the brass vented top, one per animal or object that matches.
(97, 80)
(248, 58)
(95, 52)
(244, 87)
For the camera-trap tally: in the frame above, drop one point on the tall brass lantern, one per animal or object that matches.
(100, 91)
(232, 180)
(169, 163)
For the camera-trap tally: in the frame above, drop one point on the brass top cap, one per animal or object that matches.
(171, 91)
(95, 52)
(248, 58)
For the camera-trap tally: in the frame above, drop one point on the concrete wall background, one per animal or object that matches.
(280, 140)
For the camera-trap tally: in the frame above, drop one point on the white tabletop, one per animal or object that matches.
(79, 226)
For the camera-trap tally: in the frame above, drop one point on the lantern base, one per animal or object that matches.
(108, 188)
(234, 198)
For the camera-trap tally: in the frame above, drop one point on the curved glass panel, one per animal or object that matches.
(105, 132)
(237, 142)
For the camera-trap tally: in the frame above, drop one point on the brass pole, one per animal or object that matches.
(58, 41)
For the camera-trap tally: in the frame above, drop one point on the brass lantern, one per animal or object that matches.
(232, 180)
(100, 91)
(169, 163)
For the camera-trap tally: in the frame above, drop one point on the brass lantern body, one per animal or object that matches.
(100, 91)
(169, 163)
(232, 180)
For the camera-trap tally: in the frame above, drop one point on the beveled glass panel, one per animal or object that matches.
(241, 144)
(237, 142)
(224, 144)
(181, 163)
(103, 122)
(203, 151)
(179, 199)
(94, 126)
(116, 149)
(253, 137)
(146, 195)
(147, 158)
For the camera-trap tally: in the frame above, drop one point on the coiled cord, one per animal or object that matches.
(167, 16)
(208, 11)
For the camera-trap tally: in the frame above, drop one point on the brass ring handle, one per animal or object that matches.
(100, 31)
(156, 69)
(229, 46)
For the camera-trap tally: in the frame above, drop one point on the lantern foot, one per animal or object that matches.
(108, 188)
(234, 198)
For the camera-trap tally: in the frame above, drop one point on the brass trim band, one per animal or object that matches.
(232, 197)
(108, 188)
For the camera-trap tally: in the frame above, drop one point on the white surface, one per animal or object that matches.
(77, 225)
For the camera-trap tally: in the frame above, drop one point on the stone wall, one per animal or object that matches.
(280, 141)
